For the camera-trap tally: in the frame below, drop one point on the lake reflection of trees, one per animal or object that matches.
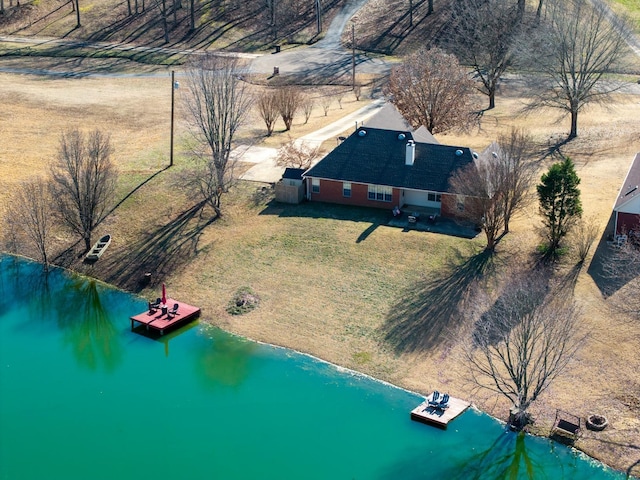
(76, 305)
(20, 282)
(222, 359)
(511, 456)
(507, 458)
(86, 324)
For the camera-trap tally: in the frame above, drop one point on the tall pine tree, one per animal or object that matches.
(560, 204)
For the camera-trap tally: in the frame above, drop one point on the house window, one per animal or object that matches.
(315, 185)
(434, 197)
(346, 189)
(380, 193)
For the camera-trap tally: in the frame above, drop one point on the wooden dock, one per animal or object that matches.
(160, 321)
(437, 417)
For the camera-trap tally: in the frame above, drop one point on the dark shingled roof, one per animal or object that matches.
(378, 158)
(293, 173)
(389, 118)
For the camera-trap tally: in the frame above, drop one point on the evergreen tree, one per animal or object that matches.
(560, 204)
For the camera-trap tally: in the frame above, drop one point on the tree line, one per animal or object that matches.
(75, 195)
(278, 18)
(565, 54)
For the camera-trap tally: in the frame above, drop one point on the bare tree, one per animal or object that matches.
(483, 205)
(339, 95)
(30, 214)
(498, 184)
(575, 47)
(83, 180)
(307, 108)
(325, 103)
(523, 341)
(430, 88)
(75, 7)
(289, 100)
(516, 169)
(268, 109)
(217, 104)
(162, 7)
(482, 33)
(297, 154)
(357, 91)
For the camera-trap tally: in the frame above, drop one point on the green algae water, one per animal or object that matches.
(83, 397)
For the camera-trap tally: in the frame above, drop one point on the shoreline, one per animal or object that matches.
(315, 358)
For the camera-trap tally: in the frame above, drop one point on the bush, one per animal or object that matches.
(244, 300)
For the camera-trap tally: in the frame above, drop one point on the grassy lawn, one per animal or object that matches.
(629, 7)
(334, 281)
(8, 50)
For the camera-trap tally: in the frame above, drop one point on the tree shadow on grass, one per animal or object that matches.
(162, 251)
(67, 257)
(428, 313)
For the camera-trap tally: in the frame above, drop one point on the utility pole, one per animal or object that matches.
(174, 86)
(353, 56)
(318, 17)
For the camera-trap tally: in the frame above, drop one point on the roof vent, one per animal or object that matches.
(459, 153)
(362, 133)
(631, 191)
(401, 136)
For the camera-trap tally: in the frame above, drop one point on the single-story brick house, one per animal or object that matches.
(385, 168)
(627, 206)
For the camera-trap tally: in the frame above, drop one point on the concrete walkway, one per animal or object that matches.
(264, 158)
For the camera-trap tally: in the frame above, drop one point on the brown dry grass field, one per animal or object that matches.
(333, 281)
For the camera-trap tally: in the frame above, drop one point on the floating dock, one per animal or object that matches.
(160, 321)
(438, 417)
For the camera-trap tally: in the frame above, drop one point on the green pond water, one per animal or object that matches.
(83, 397)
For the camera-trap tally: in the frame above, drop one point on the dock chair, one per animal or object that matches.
(444, 402)
(153, 307)
(435, 400)
(173, 312)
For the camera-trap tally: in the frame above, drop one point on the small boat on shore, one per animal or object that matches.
(98, 249)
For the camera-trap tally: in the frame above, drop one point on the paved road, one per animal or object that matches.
(264, 159)
(327, 58)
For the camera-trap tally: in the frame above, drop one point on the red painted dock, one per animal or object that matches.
(161, 322)
(436, 417)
